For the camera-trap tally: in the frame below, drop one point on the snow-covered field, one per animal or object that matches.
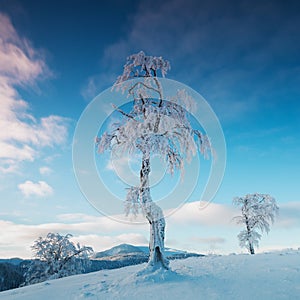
(262, 276)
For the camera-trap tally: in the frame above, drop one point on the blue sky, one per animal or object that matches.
(243, 57)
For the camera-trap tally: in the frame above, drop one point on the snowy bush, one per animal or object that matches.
(55, 257)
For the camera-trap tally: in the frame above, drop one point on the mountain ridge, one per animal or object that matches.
(139, 252)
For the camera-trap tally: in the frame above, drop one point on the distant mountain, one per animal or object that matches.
(122, 249)
(126, 255)
(173, 253)
(14, 261)
(138, 253)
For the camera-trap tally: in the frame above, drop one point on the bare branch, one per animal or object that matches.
(123, 112)
(143, 84)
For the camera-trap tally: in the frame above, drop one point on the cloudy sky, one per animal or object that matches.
(243, 57)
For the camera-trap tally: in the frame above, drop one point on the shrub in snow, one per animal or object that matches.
(56, 257)
(257, 212)
(153, 126)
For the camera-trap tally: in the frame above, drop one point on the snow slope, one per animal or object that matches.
(262, 276)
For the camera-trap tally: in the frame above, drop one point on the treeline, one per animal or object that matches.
(12, 274)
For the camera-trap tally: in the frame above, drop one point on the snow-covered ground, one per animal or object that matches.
(262, 276)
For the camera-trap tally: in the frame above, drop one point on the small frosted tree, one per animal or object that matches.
(153, 126)
(56, 257)
(257, 212)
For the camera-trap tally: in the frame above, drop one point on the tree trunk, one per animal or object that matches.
(251, 248)
(155, 218)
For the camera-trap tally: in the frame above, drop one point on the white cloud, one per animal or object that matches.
(40, 189)
(99, 232)
(211, 214)
(12, 152)
(208, 240)
(77, 217)
(122, 166)
(103, 242)
(81, 223)
(21, 66)
(289, 215)
(45, 170)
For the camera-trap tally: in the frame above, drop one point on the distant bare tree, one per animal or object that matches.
(257, 212)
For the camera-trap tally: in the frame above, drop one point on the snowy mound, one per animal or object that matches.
(261, 276)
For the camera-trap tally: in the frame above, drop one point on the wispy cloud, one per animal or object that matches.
(39, 189)
(20, 62)
(45, 170)
(211, 243)
(21, 66)
(103, 242)
(289, 215)
(95, 84)
(121, 166)
(99, 232)
(209, 240)
(226, 49)
(211, 215)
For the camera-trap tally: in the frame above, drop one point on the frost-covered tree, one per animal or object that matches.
(257, 212)
(152, 126)
(55, 257)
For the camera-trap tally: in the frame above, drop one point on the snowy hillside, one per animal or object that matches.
(262, 276)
